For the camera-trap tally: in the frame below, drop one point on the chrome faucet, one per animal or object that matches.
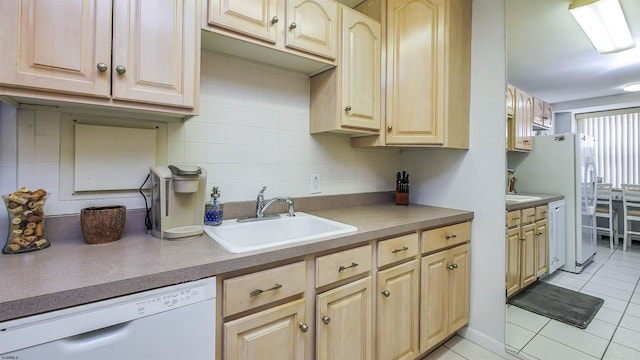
(262, 206)
(260, 203)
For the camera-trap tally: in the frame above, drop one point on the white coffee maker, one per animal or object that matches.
(177, 201)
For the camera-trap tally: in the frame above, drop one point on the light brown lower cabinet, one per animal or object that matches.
(344, 321)
(380, 300)
(526, 247)
(276, 333)
(444, 306)
(398, 304)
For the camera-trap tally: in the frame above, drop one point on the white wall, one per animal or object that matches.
(474, 179)
(8, 159)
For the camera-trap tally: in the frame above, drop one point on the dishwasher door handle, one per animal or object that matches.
(96, 338)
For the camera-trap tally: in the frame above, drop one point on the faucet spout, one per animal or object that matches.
(278, 200)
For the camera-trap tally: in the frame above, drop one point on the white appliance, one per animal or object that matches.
(177, 201)
(175, 322)
(557, 249)
(565, 164)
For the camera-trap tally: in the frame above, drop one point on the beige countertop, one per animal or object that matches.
(544, 199)
(71, 273)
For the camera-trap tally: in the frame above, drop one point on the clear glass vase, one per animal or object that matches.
(26, 221)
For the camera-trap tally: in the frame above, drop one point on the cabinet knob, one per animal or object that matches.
(539, 233)
(523, 239)
(347, 108)
(326, 319)
(274, 20)
(385, 293)
(121, 69)
(452, 266)
(293, 26)
(303, 327)
(102, 67)
(389, 127)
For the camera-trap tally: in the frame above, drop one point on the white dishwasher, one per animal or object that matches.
(174, 322)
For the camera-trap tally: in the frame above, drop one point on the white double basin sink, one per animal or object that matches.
(243, 237)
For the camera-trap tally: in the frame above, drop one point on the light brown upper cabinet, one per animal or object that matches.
(428, 52)
(126, 54)
(541, 115)
(300, 35)
(347, 98)
(520, 127)
(511, 100)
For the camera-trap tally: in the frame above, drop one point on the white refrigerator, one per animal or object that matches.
(565, 164)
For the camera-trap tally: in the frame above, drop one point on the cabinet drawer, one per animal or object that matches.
(440, 238)
(342, 265)
(252, 290)
(541, 212)
(397, 249)
(528, 215)
(513, 218)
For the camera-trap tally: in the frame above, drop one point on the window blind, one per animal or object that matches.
(617, 135)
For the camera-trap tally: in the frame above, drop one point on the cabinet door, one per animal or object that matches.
(542, 240)
(398, 308)
(459, 269)
(538, 112)
(511, 97)
(276, 333)
(415, 71)
(433, 303)
(360, 71)
(547, 115)
(312, 26)
(156, 48)
(57, 45)
(255, 18)
(513, 261)
(344, 322)
(523, 121)
(528, 271)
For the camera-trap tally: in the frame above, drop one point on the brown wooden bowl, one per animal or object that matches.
(102, 224)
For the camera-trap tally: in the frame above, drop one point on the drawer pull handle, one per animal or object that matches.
(451, 236)
(404, 248)
(343, 268)
(260, 291)
(515, 218)
(303, 327)
(326, 319)
(386, 293)
(452, 266)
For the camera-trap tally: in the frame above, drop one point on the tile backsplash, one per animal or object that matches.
(252, 131)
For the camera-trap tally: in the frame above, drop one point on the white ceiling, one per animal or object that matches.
(550, 57)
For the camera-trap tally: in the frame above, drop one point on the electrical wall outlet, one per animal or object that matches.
(314, 184)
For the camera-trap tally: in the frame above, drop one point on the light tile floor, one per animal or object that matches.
(614, 333)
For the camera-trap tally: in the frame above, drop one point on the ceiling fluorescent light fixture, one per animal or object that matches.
(632, 87)
(604, 24)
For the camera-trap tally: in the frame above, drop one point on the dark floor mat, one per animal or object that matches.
(567, 306)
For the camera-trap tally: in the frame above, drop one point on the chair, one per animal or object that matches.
(606, 211)
(631, 207)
